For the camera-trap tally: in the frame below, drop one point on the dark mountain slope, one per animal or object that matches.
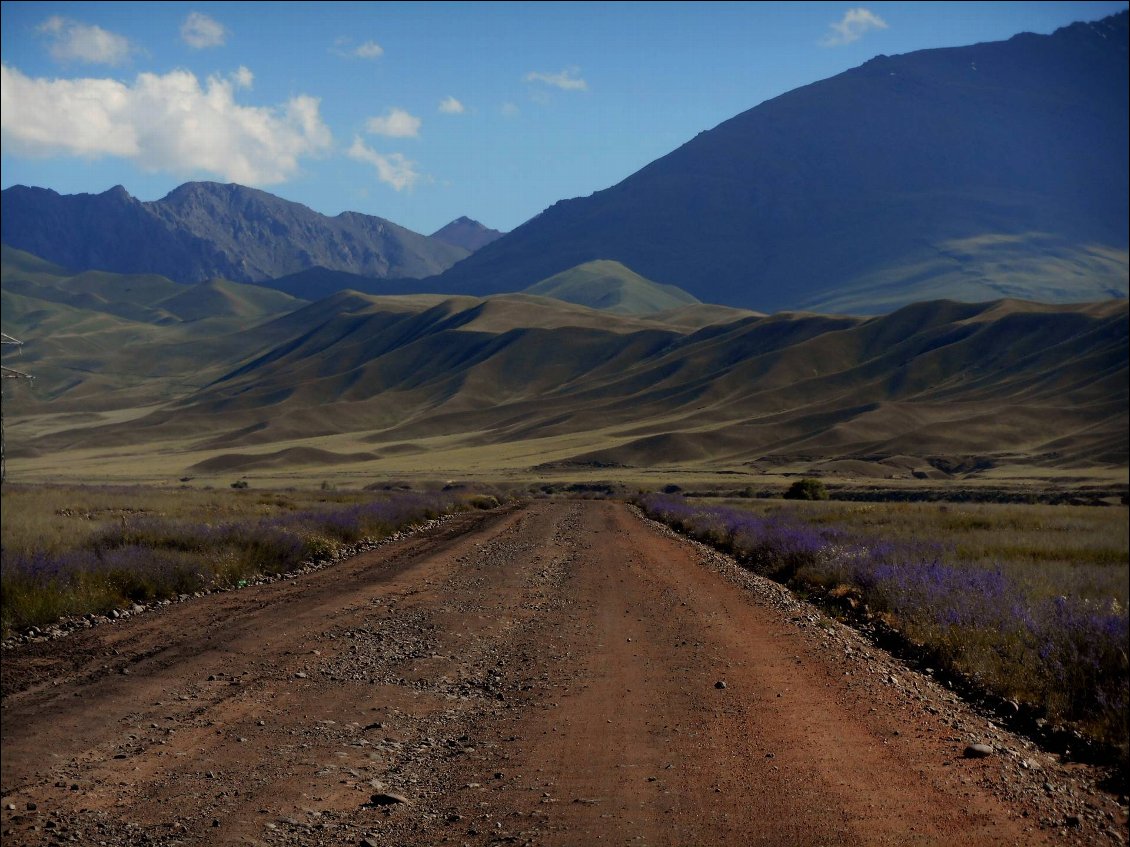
(981, 171)
(318, 282)
(205, 230)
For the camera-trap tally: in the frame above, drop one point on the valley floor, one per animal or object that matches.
(555, 674)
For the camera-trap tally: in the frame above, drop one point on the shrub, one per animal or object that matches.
(483, 501)
(807, 489)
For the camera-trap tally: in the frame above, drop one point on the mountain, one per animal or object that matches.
(973, 173)
(466, 233)
(612, 287)
(522, 384)
(205, 230)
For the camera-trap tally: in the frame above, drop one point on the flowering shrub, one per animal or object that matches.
(143, 558)
(1068, 655)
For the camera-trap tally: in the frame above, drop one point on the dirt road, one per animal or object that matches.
(564, 673)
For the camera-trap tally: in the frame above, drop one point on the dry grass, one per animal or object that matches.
(1044, 548)
(76, 550)
(54, 518)
(513, 383)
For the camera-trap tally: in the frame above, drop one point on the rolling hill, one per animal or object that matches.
(974, 199)
(612, 287)
(527, 384)
(970, 173)
(318, 282)
(99, 341)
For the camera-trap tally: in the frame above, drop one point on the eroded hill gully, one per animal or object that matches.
(547, 676)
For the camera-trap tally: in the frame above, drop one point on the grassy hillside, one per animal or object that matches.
(1028, 265)
(609, 286)
(99, 342)
(444, 386)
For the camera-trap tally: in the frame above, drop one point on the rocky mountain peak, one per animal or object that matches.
(467, 233)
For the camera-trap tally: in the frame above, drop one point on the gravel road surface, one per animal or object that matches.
(557, 673)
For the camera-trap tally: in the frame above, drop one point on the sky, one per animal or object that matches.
(423, 112)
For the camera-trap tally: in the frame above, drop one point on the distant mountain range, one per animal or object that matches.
(998, 169)
(205, 230)
(969, 173)
(972, 173)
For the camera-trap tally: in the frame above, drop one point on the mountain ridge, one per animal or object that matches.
(204, 230)
(978, 172)
(868, 178)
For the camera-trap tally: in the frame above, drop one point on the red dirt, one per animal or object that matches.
(538, 675)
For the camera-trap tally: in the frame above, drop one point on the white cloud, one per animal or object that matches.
(566, 80)
(200, 31)
(396, 124)
(369, 50)
(854, 23)
(344, 47)
(74, 41)
(243, 78)
(167, 123)
(393, 168)
(451, 106)
(509, 109)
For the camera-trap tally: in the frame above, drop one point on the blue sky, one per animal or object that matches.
(422, 112)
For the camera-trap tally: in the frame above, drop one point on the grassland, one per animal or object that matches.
(1050, 550)
(75, 550)
(611, 286)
